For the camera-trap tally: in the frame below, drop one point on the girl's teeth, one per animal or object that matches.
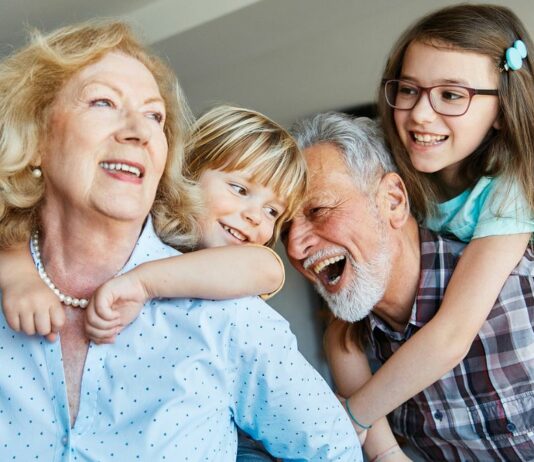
(428, 139)
(235, 233)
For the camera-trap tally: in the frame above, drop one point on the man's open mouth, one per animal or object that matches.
(330, 270)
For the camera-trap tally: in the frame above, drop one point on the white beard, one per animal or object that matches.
(366, 288)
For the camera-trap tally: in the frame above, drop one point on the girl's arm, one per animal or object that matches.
(29, 305)
(350, 370)
(440, 345)
(215, 273)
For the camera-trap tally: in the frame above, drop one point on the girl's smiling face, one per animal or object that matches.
(437, 143)
(238, 209)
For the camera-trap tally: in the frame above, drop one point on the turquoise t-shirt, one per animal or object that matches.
(492, 207)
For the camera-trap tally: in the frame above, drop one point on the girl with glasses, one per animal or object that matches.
(457, 105)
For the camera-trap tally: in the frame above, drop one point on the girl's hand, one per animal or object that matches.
(114, 305)
(34, 311)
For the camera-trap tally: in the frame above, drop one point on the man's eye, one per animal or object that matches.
(238, 189)
(316, 211)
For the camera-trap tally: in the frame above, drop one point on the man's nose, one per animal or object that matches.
(300, 239)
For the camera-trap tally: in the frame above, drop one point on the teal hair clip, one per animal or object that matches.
(514, 56)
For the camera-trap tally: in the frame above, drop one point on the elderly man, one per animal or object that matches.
(356, 240)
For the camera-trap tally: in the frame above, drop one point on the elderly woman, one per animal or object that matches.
(92, 128)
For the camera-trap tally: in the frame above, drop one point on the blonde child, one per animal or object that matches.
(251, 174)
(457, 105)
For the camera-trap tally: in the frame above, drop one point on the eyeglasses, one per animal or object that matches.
(447, 100)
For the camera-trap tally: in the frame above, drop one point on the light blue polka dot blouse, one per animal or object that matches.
(172, 388)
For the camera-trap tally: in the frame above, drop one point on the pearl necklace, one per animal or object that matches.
(65, 299)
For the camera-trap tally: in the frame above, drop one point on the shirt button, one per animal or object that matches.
(64, 440)
(438, 415)
(510, 426)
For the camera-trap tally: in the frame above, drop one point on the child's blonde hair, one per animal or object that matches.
(231, 138)
(509, 151)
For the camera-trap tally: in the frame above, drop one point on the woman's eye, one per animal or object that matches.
(102, 102)
(238, 189)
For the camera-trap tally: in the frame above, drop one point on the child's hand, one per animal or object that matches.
(38, 311)
(114, 305)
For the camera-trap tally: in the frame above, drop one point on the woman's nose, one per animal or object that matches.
(135, 128)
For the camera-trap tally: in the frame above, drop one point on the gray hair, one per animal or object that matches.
(359, 139)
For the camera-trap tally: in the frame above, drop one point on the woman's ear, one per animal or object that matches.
(393, 200)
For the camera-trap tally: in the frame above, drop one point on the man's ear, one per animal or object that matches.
(393, 200)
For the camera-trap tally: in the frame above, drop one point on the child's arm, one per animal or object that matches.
(29, 305)
(441, 344)
(215, 273)
(350, 370)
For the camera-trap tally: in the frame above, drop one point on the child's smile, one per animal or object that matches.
(438, 143)
(238, 210)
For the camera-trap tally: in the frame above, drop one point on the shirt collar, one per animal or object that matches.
(148, 247)
(437, 263)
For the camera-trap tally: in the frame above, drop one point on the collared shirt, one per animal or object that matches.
(172, 388)
(482, 410)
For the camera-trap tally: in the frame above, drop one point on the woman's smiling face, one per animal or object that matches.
(106, 150)
(437, 143)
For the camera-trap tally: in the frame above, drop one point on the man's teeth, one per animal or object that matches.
(427, 138)
(329, 261)
(235, 233)
(334, 281)
(121, 167)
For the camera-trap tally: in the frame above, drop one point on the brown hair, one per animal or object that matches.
(31, 78)
(487, 30)
(232, 138)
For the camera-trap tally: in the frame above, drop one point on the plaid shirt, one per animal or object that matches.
(482, 410)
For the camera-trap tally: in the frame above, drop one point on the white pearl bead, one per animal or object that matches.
(65, 299)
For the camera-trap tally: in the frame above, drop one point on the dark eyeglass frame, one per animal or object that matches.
(471, 91)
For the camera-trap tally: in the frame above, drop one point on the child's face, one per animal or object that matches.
(438, 143)
(238, 210)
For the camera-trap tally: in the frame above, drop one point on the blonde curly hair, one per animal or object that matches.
(31, 78)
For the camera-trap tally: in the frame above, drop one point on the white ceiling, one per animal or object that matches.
(287, 58)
